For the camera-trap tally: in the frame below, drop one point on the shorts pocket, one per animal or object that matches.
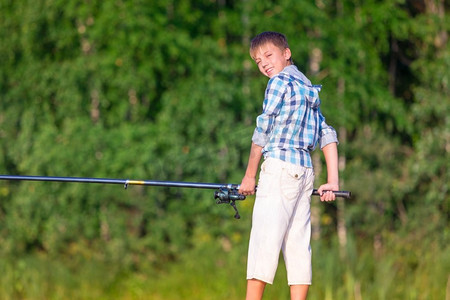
(268, 178)
(291, 181)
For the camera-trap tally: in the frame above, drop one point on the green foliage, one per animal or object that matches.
(213, 269)
(166, 90)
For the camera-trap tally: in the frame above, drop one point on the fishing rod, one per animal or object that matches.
(224, 194)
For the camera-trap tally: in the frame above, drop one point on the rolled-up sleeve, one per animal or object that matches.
(327, 134)
(259, 138)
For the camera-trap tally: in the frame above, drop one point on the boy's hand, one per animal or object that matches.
(328, 196)
(247, 186)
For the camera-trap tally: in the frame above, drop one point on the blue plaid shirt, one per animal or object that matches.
(291, 123)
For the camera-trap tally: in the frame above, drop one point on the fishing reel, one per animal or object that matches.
(229, 195)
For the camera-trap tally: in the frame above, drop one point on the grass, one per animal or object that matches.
(216, 270)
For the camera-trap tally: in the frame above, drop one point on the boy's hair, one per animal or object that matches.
(276, 38)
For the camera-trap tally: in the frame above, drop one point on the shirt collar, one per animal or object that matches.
(292, 70)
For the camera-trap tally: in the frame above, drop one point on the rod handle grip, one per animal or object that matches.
(342, 194)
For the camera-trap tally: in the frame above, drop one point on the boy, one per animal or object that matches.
(288, 129)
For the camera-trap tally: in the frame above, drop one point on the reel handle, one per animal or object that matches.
(226, 195)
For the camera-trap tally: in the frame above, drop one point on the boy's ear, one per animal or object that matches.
(287, 54)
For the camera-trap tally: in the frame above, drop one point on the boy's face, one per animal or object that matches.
(271, 60)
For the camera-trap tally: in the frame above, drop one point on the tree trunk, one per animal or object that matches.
(340, 202)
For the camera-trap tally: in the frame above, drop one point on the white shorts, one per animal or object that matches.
(281, 221)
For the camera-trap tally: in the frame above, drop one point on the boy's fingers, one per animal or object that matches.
(250, 191)
(327, 196)
(246, 191)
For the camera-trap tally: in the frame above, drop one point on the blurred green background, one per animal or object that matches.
(166, 90)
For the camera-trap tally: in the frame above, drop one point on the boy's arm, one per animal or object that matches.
(331, 157)
(249, 181)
